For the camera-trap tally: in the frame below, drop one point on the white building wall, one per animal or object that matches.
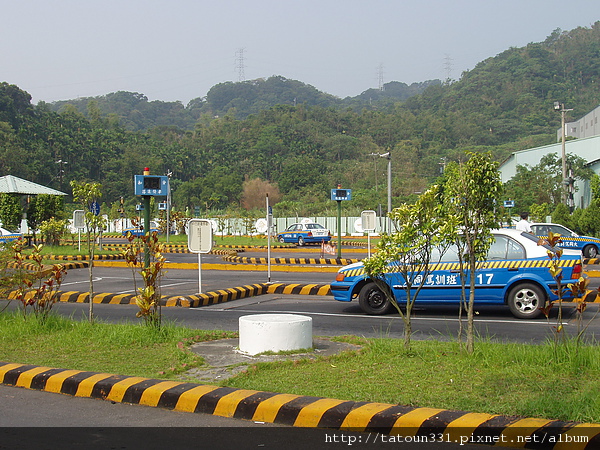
(587, 126)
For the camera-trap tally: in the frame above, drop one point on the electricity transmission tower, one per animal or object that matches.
(448, 68)
(380, 76)
(239, 64)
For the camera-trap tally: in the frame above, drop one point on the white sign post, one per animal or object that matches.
(79, 223)
(200, 240)
(368, 219)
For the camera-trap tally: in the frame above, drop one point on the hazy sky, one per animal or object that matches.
(178, 49)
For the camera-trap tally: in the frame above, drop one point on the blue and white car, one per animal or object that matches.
(304, 233)
(8, 236)
(568, 239)
(516, 273)
(139, 231)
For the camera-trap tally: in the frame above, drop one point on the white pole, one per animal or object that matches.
(268, 242)
(200, 273)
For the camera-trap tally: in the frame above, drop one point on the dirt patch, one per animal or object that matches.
(224, 360)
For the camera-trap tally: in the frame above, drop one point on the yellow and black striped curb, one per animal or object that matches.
(46, 267)
(197, 300)
(78, 257)
(225, 295)
(317, 261)
(305, 411)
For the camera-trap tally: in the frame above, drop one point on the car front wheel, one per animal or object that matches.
(590, 251)
(525, 301)
(373, 300)
(281, 239)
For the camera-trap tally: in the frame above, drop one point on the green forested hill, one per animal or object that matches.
(241, 99)
(306, 144)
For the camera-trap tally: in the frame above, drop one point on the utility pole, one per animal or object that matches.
(564, 182)
(388, 156)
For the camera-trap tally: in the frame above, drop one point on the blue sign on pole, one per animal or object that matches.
(95, 208)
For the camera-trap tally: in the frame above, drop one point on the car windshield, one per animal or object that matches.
(314, 226)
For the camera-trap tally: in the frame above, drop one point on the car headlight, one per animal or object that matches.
(340, 276)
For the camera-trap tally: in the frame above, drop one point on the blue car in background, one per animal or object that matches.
(304, 233)
(516, 273)
(568, 239)
(139, 231)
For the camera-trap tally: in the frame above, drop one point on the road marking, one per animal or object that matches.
(439, 319)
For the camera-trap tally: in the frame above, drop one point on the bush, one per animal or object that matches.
(52, 230)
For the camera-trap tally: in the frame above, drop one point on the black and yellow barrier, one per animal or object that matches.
(197, 300)
(376, 420)
(301, 261)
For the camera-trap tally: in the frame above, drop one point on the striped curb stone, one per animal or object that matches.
(314, 261)
(193, 301)
(379, 421)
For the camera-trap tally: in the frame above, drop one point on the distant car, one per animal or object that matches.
(516, 273)
(8, 236)
(305, 233)
(139, 231)
(568, 239)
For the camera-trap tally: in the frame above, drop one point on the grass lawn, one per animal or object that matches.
(521, 379)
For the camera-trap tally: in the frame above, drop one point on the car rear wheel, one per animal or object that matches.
(301, 241)
(373, 300)
(525, 301)
(590, 251)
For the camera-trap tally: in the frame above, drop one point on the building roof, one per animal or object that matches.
(15, 185)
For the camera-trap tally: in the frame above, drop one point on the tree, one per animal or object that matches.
(86, 194)
(472, 191)
(542, 183)
(255, 192)
(44, 207)
(10, 210)
(405, 257)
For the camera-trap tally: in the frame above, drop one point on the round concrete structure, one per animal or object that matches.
(261, 333)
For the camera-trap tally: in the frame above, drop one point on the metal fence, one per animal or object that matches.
(350, 226)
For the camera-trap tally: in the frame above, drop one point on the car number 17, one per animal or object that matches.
(485, 278)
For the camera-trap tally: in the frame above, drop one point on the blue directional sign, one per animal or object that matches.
(95, 208)
(151, 185)
(341, 194)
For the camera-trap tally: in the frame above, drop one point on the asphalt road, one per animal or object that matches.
(32, 419)
(330, 318)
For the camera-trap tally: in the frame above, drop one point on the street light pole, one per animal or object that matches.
(561, 107)
(388, 156)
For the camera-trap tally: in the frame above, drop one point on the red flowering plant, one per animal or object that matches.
(37, 285)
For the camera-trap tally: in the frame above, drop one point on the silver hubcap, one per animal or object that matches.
(526, 301)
